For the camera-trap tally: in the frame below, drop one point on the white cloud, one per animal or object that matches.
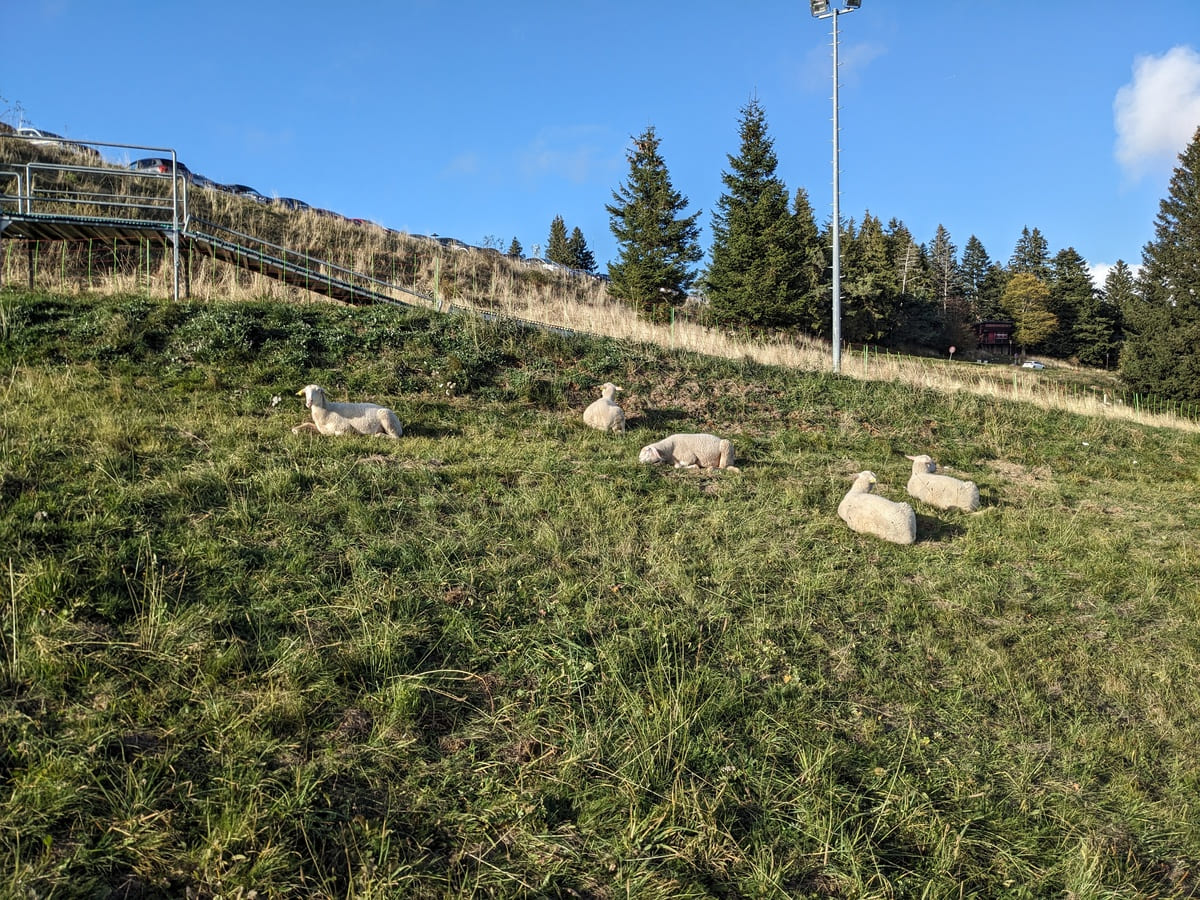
(1157, 113)
(575, 154)
(466, 163)
(816, 70)
(1099, 272)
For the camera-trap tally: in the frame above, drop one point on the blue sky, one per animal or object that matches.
(479, 120)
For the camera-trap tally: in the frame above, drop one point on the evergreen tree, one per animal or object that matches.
(1071, 291)
(582, 258)
(558, 249)
(1120, 289)
(656, 244)
(755, 276)
(1160, 354)
(973, 272)
(1031, 255)
(908, 260)
(813, 312)
(870, 296)
(1025, 298)
(1098, 326)
(515, 250)
(989, 302)
(943, 256)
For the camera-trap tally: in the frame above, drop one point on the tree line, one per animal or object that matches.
(769, 270)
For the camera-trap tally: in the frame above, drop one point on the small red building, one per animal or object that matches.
(994, 336)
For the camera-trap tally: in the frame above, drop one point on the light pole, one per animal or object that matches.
(822, 10)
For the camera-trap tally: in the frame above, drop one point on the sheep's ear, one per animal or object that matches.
(913, 458)
(300, 393)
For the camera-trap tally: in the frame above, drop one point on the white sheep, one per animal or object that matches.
(869, 513)
(604, 413)
(941, 491)
(346, 418)
(691, 451)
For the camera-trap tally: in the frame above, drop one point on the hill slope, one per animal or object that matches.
(500, 657)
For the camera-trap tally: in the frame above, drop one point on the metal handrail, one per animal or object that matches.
(177, 207)
(173, 215)
(288, 258)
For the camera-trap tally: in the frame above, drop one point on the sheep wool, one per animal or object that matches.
(940, 491)
(346, 418)
(604, 413)
(691, 451)
(868, 513)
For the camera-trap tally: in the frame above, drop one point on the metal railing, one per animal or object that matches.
(45, 190)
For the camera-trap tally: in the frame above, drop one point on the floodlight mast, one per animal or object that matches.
(822, 10)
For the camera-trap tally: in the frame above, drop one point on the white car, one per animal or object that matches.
(1032, 364)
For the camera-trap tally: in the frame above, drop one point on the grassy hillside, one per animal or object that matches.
(499, 657)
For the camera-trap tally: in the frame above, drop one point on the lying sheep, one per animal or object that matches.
(690, 451)
(869, 513)
(346, 418)
(604, 413)
(941, 491)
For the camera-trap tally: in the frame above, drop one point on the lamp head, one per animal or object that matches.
(819, 7)
(853, 4)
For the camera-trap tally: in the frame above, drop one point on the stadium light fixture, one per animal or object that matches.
(822, 10)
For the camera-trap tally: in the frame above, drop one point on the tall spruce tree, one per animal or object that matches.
(657, 245)
(943, 256)
(813, 312)
(989, 304)
(756, 276)
(558, 249)
(1031, 255)
(1120, 293)
(1160, 354)
(582, 258)
(907, 259)
(515, 250)
(870, 295)
(1071, 292)
(973, 272)
(1098, 325)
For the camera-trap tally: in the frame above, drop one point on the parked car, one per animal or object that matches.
(1032, 364)
(160, 165)
(201, 181)
(291, 203)
(37, 136)
(244, 190)
(50, 139)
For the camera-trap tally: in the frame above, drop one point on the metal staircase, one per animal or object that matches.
(41, 201)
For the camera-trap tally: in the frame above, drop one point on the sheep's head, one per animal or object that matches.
(650, 454)
(922, 463)
(608, 390)
(311, 394)
(865, 482)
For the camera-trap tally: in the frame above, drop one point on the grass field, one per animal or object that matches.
(500, 658)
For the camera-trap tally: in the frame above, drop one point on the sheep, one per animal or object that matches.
(941, 491)
(868, 513)
(604, 413)
(346, 418)
(691, 451)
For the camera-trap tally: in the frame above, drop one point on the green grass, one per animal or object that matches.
(501, 658)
